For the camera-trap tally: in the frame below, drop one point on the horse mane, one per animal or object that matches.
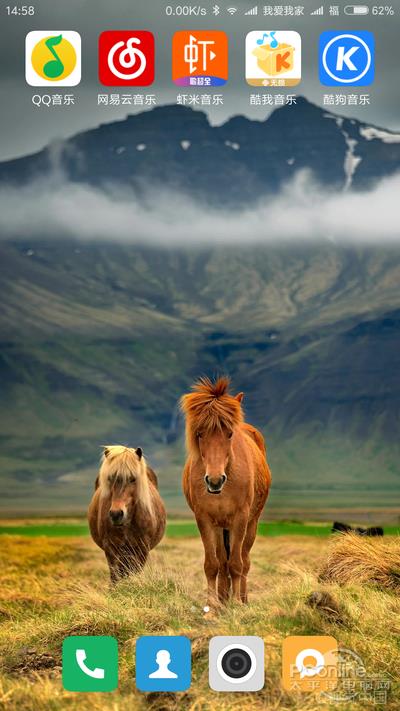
(209, 407)
(125, 462)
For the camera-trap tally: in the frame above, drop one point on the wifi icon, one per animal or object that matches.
(231, 10)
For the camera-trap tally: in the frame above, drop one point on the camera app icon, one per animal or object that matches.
(236, 663)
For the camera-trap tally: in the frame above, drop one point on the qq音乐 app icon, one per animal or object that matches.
(200, 58)
(53, 58)
(309, 663)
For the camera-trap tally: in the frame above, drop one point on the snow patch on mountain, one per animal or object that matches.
(232, 144)
(370, 133)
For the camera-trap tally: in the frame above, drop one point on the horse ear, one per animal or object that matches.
(106, 451)
(239, 397)
(139, 452)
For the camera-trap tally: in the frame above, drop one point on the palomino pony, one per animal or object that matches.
(126, 514)
(226, 481)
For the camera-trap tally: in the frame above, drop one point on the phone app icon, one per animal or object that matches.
(163, 663)
(236, 663)
(273, 58)
(90, 663)
(53, 57)
(346, 58)
(200, 58)
(126, 58)
(309, 663)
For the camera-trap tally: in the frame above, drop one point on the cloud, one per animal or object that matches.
(303, 211)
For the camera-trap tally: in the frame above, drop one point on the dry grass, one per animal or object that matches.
(354, 559)
(52, 588)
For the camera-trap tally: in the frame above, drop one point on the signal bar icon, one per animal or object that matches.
(252, 11)
(318, 11)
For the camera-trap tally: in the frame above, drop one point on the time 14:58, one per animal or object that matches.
(20, 9)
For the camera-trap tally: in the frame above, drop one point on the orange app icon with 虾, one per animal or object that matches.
(309, 663)
(200, 58)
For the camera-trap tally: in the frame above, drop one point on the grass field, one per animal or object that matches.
(175, 529)
(52, 587)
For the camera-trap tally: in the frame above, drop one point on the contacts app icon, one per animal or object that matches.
(163, 663)
(309, 663)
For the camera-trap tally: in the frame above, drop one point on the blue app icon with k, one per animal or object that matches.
(163, 663)
(346, 58)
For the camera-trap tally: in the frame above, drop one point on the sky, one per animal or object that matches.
(26, 128)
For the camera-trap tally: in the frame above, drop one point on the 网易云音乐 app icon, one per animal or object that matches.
(200, 58)
(126, 58)
(309, 663)
(273, 58)
(90, 663)
(346, 58)
(53, 58)
(163, 663)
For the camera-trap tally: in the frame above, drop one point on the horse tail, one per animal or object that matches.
(227, 545)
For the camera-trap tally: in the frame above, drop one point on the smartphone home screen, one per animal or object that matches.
(200, 328)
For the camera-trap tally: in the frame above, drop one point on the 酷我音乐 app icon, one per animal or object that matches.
(200, 58)
(163, 663)
(126, 58)
(346, 58)
(53, 58)
(236, 663)
(273, 58)
(90, 663)
(309, 663)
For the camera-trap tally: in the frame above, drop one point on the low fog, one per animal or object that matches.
(55, 208)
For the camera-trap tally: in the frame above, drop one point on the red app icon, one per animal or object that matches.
(126, 58)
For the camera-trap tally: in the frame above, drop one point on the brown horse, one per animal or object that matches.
(226, 482)
(126, 514)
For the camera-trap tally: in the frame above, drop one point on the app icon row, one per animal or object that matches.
(164, 664)
(199, 58)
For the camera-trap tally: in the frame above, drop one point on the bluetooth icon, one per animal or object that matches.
(216, 10)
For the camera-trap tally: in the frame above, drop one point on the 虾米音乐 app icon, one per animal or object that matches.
(163, 663)
(53, 58)
(126, 58)
(200, 58)
(273, 58)
(90, 663)
(236, 663)
(346, 58)
(309, 663)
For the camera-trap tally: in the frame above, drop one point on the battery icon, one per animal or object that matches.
(356, 10)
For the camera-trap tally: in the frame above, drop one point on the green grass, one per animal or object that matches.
(176, 529)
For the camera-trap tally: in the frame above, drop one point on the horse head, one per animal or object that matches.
(123, 479)
(212, 414)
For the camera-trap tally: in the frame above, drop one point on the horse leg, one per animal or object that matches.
(237, 534)
(247, 546)
(113, 567)
(211, 565)
(224, 582)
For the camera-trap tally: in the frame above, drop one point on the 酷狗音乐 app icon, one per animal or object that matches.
(309, 663)
(346, 58)
(163, 663)
(200, 58)
(236, 663)
(126, 58)
(90, 663)
(53, 58)
(273, 58)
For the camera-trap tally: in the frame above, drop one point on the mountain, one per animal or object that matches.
(235, 163)
(99, 340)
